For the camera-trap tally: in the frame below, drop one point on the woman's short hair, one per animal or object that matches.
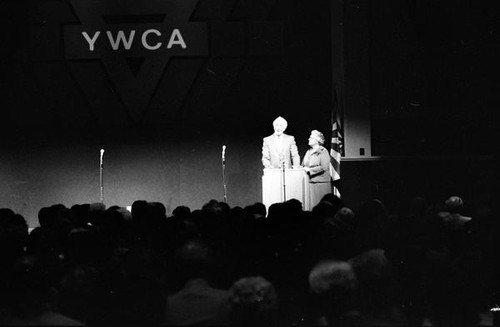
(318, 136)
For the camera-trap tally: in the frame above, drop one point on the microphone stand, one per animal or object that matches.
(284, 184)
(101, 177)
(224, 175)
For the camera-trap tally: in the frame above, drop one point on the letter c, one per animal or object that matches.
(145, 43)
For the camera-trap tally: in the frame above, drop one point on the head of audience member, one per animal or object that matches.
(239, 214)
(80, 215)
(50, 216)
(284, 214)
(13, 235)
(156, 214)
(344, 220)
(293, 206)
(180, 226)
(113, 224)
(139, 211)
(181, 212)
(125, 213)
(279, 126)
(39, 242)
(324, 210)
(293, 211)
(216, 209)
(276, 211)
(5, 213)
(195, 259)
(454, 204)
(376, 283)
(255, 212)
(334, 200)
(96, 210)
(113, 218)
(336, 236)
(333, 285)
(57, 220)
(44, 217)
(253, 301)
(157, 208)
(259, 210)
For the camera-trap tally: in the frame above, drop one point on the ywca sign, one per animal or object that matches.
(120, 38)
(83, 42)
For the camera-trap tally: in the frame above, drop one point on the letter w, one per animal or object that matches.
(120, 38)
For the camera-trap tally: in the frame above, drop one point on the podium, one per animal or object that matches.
(279, 186)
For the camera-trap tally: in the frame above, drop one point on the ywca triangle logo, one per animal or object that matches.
(135, 40)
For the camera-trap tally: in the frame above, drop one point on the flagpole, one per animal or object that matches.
(336, 145)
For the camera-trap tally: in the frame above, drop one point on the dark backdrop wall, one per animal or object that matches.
(434, 76)
(161, 115)
(434, 85)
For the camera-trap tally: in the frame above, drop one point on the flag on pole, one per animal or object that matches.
(337, 144)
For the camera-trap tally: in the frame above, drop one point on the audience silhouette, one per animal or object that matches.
(419, 264)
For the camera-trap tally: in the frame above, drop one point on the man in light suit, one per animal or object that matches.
(280, 148)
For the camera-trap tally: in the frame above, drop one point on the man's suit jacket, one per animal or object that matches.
(276, 150)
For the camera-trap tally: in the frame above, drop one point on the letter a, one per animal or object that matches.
(176, 38)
